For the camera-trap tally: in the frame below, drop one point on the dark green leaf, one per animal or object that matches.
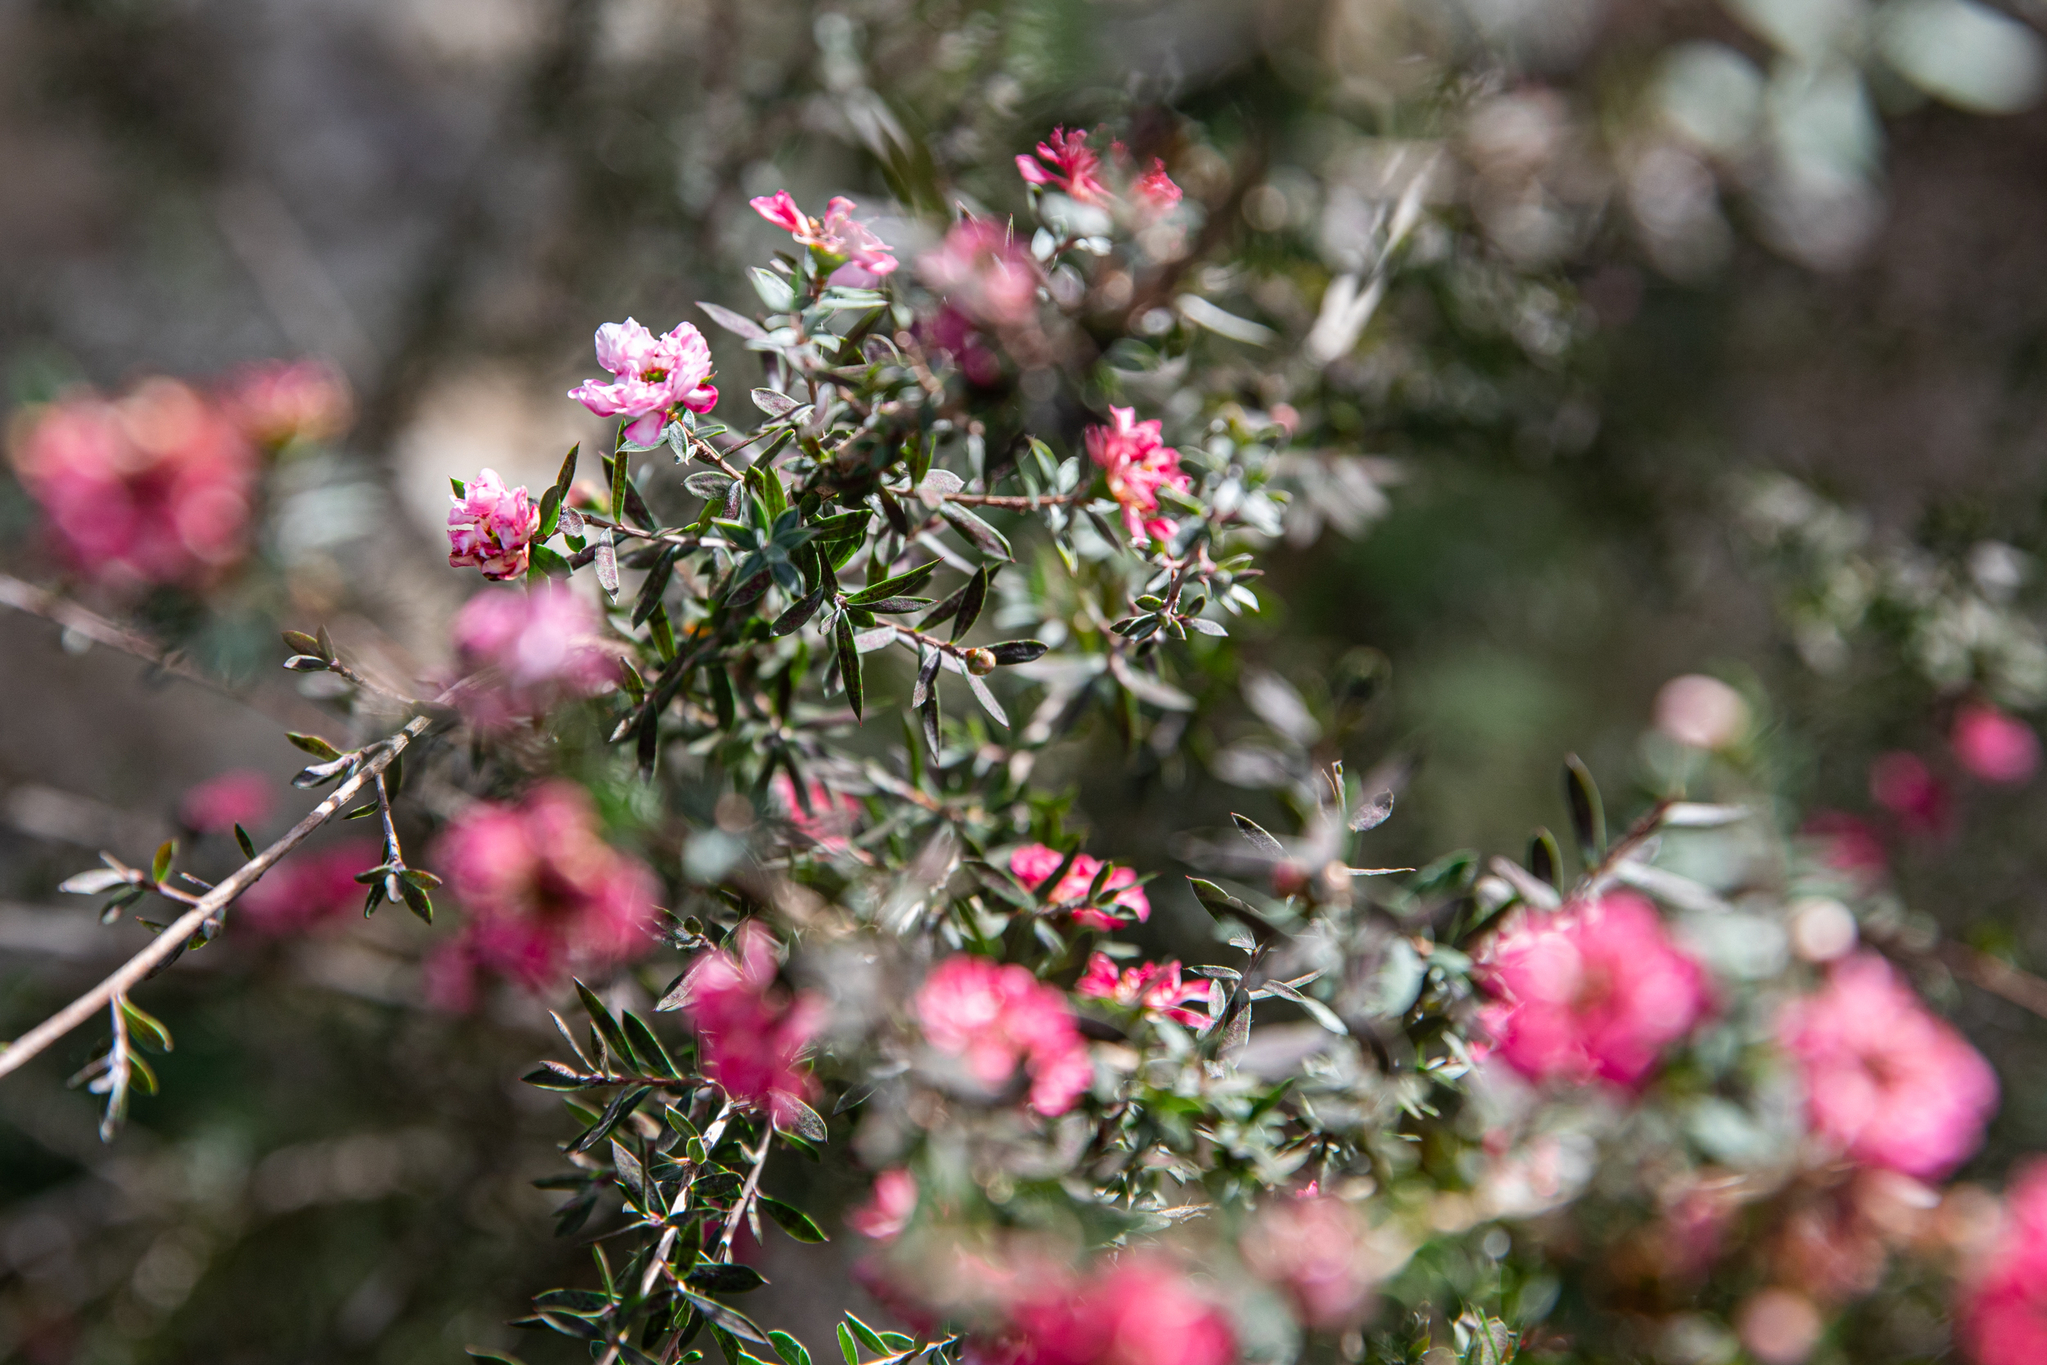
(653, 1057)
(724, 1279)
(849, 663)
(869, 1338)
(550, 513)
(244, 842)
(479, 1353)
(301, 643)
(971, 604)
(799, 612)
(313, 744)
(607, 1027)
(614, 1113)
(1588, 814)
(621, 474)
(985, 537)
(896, 606)
(902, 583)
(788, 1348)
(1545, 859)
(800, 1119)
(416, 900)
(1018, 651)
(791, 1220)
(545, 563)
(658, 576)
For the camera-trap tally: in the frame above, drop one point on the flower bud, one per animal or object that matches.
(980, 662)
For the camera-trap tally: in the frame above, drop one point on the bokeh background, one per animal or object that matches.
(1676, 250)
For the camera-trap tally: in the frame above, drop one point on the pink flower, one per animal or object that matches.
(1887, 1083)
(1068, 163)
(542, 889)
(307, 889)
(1155, 192)
(996, 1018)
(1321, 1253)
(887, 1213)
(1849, 844)
(754, 1034)
(277, 402)
(1140, 1311)
(984, 272)
(155, 487)
(491, 527)
(846, 247)
(830, 816)
(654, 376)
(530, 652)
(1590, 991)
(1138, 463)
(1034, 863)
(241, 797)
(1903, 785)
(2003, 1310)
(1152, 986)
(1993, 745)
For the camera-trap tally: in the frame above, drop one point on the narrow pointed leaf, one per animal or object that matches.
(849, 664)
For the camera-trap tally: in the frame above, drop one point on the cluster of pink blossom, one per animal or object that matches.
(241, 796)
(528, 652)
(281, 402)
(753, 1034)
(1034, 864)
(308, 889)
(1592, 991)
(542, 889)
(1065, 162)
(846, 248)
(1887, 1083)
(1138, 462)
(887, 1211)
(821, 815)
(995, 1018)
(985, 274)
(652, 377)
(1140, 1310)
(1321, 1253)
(1155, 987)
(2003, 1312)
(1902, 784)
(491, 527)
(156, 487)
(1993, 745)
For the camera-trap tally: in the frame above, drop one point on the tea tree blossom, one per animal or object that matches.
(754, 1034)
(846, 249)
(1591, 992)
(1887, 1083)
(1152, 986)
(997, 1018)
(307, 890)
(491, 527)
(1065, 162)
(1034, 864)
(528, 652)
(1139, 1311)
(2002, 1316)
(821, 815)
(1155, 193)
(887, 1212)
(1993, 745)
(1138, 463)
(652, 377)
(542, 889)
(984, 272)
(278, 403)
(1322, 1253)
(242, 796)
(1902, 784)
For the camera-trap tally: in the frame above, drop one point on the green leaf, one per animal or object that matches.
(461, 489)
(658, 575)
(802, 1120)
(788, 1348)
(607, 1027)
(1588, 814)
(550, 513)
(479, 1353)
(614, 1113)
(970, 605)
(567, 474)
(985, 537)
(849, 663)
(900, 585)
(244, 842)
(847, 1346)
(1260, 840)
(791, 1219)
(773, 290)
(620, 470)
(416, 900)
(1018, 651)
(724, 1279)
(800, 611)
(143, 1022)
(545, 563)
(869, 1338)
(301, 643)
(647, 1047)
(161, 867)
(314, 745)
(1545, 859)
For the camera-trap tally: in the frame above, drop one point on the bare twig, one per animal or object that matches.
(165, 944)
(746, 1195)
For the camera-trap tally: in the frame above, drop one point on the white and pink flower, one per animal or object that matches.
(996, 1018)
(491, 527)
(753, 1033)
(845, 247)
(652, 377)
(529, 652)
(1154, 987)
(1034, 864)
(1138, 462)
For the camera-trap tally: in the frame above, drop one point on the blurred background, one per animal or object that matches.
(1721, 351)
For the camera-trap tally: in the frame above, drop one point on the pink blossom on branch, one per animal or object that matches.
(1887, 1082)
(1138, 462)
(1902, 784)
(1591, 992)
(156, 487)
(995, 1019)
(1154, 987)
(884, 1216)
(1994, 745)
(821, 815)
(2002, 1316)
(984, 272)
(845, 246)
(528, 652)
(652, 377)
(1322, 1253)
(1139, 1311)
(543, 891)
(1155, 192)
(1066, 162)
(753, 1033)
(1033, 864)
(491, 527)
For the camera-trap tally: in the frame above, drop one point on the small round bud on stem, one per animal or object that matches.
(980, 662)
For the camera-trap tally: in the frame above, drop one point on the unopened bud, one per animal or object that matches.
(980, 662)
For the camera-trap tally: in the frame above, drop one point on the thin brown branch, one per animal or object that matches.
(165, 944)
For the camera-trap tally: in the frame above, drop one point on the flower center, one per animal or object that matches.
(653, 376)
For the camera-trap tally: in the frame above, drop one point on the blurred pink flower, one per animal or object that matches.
(2002, 1317)
(1033, 863)
(1902, 784)
(985, 273)
(530, 652)
(542, 888)
(154, 487)
(887, 1213)
(1590, 991)
(1887, 1082)
(1138, 463)
(996, 1018)
(1068, 163)
(855, 255)
(307, 889)
(1321, 1253)
(1153, 986)
(754, 1033)
(277, 402)
(1701, 712)
(1850, 843)
(1138, 1311)
(829, 820)
(242, 796)
(653, 377)
(1155, 192)
(491, 527)
(1993, 745)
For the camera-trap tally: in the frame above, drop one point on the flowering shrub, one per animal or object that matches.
(1489, 1106)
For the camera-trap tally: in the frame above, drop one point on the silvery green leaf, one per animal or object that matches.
(1698, 815)
(93, 882)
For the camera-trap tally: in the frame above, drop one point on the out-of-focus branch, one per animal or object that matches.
(173, 938)
(35, 601)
